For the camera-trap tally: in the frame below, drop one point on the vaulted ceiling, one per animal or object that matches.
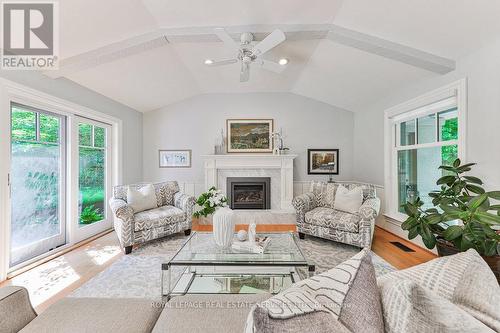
(150, 53)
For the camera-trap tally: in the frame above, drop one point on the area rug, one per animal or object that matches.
(138, 274)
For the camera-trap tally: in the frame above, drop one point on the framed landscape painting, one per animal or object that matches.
(249, 135)
(323, 161)
(175, 158)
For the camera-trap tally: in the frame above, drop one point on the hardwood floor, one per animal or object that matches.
(57, 278)
(395, 256)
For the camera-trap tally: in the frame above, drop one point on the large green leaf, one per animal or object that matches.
(474, 180)
(490, 247)
(476, 202)
(494, 195)
(453, 232)
(434, 218)
(428, 237)
(475, 189)
(486, 218)
(456, 163)
(410, 223)
(410, 209)
(448, 180)
(412, 233)
(465, 167)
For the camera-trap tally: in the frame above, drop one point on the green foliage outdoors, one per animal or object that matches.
(92, 163)
(449, 131)
(90, 214)
(460, 198)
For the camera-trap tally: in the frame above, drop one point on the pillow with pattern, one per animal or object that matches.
(410, 308)
(343, 299)
(464, 279)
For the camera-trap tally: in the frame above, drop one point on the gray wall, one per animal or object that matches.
(196, 123)
(73, 92)
(481, 69)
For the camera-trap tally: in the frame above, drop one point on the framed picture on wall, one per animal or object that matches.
(175, 158)
(323, 161)
(249, 135)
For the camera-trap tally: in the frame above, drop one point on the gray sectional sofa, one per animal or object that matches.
(457, 293)
(190, 313)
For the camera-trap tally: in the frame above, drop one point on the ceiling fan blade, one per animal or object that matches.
(271, 66)
(245, 72)
(222, 62)
(273, 39)
(228, 41)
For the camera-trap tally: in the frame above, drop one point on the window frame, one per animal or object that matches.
(21, 94)
(430, 103)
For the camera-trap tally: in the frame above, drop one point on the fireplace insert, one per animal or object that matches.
(249, 192)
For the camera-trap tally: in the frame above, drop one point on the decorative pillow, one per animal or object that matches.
(343, 299)
(464, 279)
(411, 308)
(348, 201)
(329, 197)
(141, 199)
(319, 190)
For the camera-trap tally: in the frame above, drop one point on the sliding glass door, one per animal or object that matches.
(94, 181)
(37, 183)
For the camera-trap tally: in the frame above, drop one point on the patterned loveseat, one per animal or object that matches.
(173, 214)
(316, 216)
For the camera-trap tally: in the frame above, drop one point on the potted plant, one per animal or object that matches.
(214, 203)
(209, 201)
(463, 216)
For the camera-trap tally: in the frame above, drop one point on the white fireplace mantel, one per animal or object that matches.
(284, 163)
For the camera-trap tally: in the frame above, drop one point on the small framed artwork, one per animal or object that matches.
(249, 135)
(175, 158)
(323, 161)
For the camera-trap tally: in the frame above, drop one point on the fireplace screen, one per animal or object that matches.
(249, 192)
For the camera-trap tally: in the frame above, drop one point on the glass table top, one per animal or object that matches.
(200, 249)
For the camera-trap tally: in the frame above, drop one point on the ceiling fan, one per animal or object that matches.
(247, 54)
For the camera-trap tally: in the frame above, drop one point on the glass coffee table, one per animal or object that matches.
(201, 267)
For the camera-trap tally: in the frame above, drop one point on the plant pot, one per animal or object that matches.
(223, 227)
(446, 248)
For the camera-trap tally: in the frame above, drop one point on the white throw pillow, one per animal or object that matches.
(141, 199)
(348, 201)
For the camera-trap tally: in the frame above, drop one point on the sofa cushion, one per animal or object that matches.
(207, 313)
(334, 219)
(411, 308)
(141, 199)
(343, 299)
(15, 309)
(96, 315)
(348, 201)
(158, 217)
(464, 279)
(164, 192)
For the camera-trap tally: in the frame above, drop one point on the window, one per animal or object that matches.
(92, 173)
(37, 189)
(426, 133)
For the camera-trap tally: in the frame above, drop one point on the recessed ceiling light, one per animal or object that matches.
(283, 61)
(209, 61)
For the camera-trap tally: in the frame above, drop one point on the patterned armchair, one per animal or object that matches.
(316, 216)
(173, 214)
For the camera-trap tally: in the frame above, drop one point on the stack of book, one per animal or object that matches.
(259, 246)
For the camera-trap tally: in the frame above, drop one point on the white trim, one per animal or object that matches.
(10, 91)
(396, 114)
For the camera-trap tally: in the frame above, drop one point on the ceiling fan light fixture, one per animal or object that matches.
(209, 61)
(283, 61)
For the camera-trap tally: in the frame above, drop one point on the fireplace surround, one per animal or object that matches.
(249, 192)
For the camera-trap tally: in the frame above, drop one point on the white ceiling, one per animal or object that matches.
(321, 69)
